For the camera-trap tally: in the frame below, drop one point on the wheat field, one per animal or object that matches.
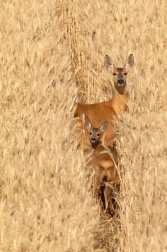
(52, 55)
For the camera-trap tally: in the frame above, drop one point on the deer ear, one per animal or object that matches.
(103, 127)
(87, 123)
(129, 62)
(108, 62)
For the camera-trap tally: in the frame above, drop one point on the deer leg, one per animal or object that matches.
(108, 199)
(105, 198)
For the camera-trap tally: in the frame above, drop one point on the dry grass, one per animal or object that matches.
(47, 47)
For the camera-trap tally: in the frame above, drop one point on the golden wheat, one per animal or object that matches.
(46, 49)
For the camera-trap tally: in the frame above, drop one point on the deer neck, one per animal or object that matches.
(119, 100)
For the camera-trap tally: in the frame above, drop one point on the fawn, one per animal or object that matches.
(104, 162)
(95, 134)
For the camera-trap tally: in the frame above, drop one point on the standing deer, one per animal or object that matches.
(104, 161)
(105, 111)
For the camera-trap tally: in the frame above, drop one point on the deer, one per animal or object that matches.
(95, 134)
(104, 161)
(105, 111)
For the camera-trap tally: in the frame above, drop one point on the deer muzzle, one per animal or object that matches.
(120, 82)
(93, 140)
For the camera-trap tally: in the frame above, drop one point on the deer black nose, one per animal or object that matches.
(93, 139)
(120, 81)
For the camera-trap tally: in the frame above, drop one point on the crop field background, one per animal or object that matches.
(52, 55)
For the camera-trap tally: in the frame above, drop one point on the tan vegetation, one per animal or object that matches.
(52, 55)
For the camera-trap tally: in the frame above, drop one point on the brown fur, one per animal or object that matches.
(104, 162)
(104, 111)
(95, 134)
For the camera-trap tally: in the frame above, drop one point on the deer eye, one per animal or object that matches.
(98, 134)
(125, 74)
(90, 133)
(114, 74)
